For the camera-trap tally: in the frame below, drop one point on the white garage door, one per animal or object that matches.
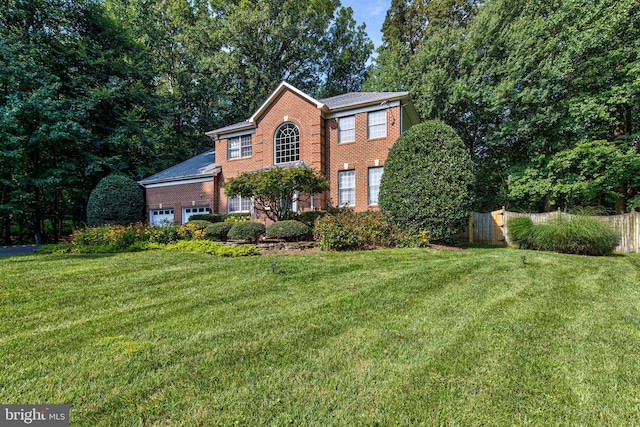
(194, 210)
(161, 216)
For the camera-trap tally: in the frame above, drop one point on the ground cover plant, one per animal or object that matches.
(390, 337)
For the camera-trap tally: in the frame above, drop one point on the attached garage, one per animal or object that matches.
(186, 189)
(161, 216)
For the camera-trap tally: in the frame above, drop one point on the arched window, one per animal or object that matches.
(287, 143)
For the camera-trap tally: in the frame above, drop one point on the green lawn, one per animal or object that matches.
(393, 337)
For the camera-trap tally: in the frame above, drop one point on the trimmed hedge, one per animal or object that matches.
(289, 230)
(246, 230)
(214, 218)
(218, 231)
(118, 200)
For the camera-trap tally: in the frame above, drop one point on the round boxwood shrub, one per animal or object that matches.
(427, 180)
(117, 199)
(246, 230)
(218, 231)
(289, 230)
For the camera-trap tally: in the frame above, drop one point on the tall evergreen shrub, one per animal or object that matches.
(427, 180)
(117, 199)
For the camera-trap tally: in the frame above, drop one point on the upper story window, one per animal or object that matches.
(346, 129)
(377, 124)
(238, 147)
(287, 143)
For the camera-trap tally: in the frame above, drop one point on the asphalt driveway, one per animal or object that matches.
(17, 249)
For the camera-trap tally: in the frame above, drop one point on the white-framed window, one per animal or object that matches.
(377, 124)
(161, 216)
(194, 210)
(347, 188)
(287, 143)
(238, 204)
(239, 147)
(374, 184)
(346, 129)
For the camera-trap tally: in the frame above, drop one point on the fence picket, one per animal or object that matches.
(491, 228)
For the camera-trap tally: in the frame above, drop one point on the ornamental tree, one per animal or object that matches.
(274, 190)
(426, 184)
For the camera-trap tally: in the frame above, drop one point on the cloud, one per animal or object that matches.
(377, 8)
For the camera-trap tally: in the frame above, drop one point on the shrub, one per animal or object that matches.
(427, 180)
(411, 239)
(117, 199)
(116, 236)
(213, 218)
(288, 230)
(349, 230)
(162, 234)
(218, 231)
(520, 231)
(578, 234)
(200, 224)
(309, 218)
(193, 230)
(246, 230)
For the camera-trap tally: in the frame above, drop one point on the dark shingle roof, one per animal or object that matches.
(358, 98)
(200, 166)
(351, 99)
(230, 128)
(294, 164)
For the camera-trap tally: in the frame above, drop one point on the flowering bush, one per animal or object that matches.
(120, 237)
(411, 239)
(192, 231)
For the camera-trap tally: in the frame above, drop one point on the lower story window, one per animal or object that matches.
(194, 210)
(239, 204)
(347, 188)
(374, 184)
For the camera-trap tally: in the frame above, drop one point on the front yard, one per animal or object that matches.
(408, 337)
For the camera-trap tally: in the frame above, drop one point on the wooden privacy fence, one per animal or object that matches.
(491, 228)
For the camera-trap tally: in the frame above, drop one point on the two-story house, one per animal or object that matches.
(346, 137)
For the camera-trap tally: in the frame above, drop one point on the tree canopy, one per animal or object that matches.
(518, 79)
(93, 87)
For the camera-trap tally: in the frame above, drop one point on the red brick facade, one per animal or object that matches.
(180, 196)
(319, 146)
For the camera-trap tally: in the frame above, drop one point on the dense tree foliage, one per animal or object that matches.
(519, 80)
(426, 184)
(92, 87)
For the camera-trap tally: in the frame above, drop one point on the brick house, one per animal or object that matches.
(345, 137)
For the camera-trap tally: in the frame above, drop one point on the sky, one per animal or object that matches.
(371, 12)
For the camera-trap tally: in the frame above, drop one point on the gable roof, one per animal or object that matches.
(281, 88)
(200, 166)
(357, 99)
(332, 104)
